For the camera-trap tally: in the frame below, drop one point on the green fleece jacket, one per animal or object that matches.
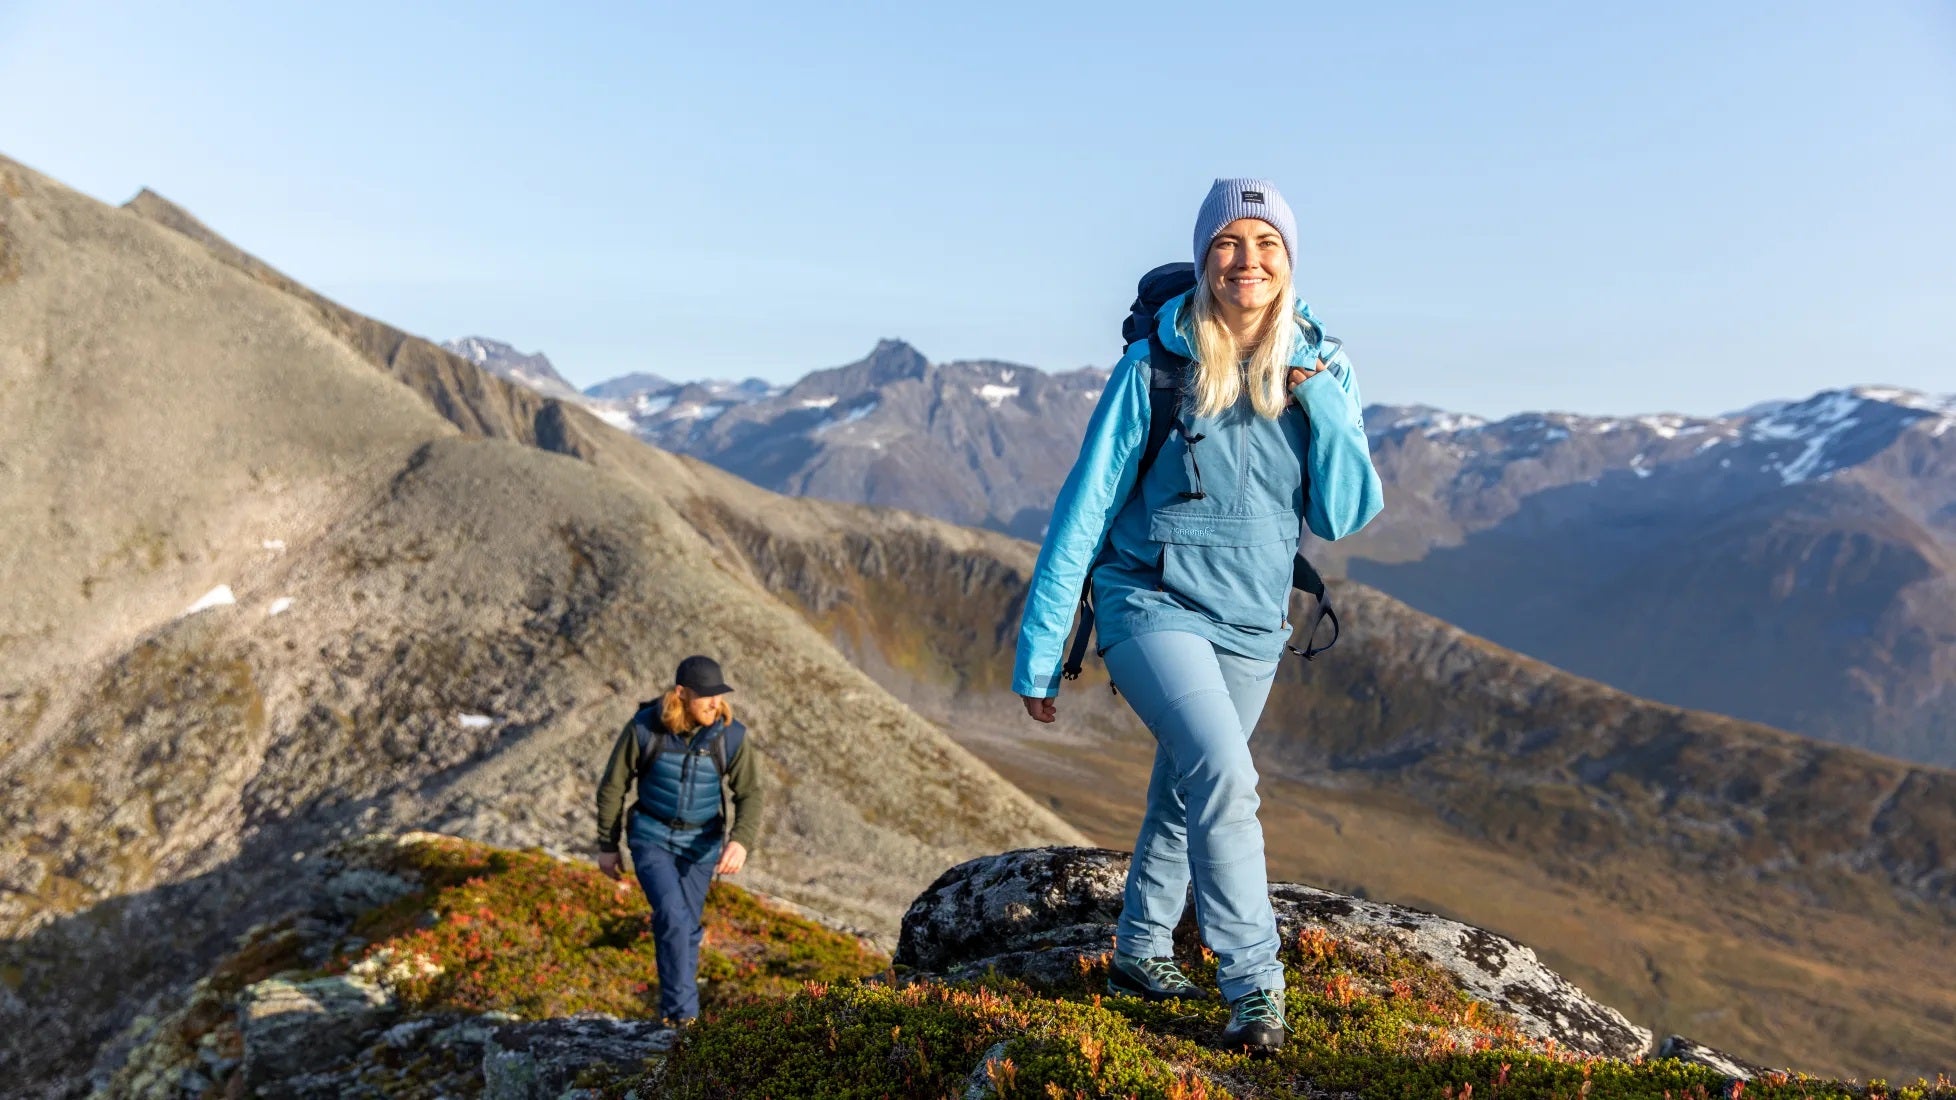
(743, 787)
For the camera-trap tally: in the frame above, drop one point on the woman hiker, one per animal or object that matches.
(675, 752)
(1191, 571)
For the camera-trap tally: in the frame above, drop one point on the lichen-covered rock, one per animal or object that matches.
(1698, 1054)
(292, 1029)
(1490, 967)
(1034, 913)
(540, 1060)
(1027, 912)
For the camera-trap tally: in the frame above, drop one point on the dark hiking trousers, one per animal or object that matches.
(676, 887)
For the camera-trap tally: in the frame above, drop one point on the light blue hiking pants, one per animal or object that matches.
(1201, 704)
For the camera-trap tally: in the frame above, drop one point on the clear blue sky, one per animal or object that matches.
(1666, 206)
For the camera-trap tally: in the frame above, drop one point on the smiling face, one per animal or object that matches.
(1247, 265)
(704, 710)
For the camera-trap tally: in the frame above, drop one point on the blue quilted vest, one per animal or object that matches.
(679, 777)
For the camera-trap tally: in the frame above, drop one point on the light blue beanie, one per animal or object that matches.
(1243, 198)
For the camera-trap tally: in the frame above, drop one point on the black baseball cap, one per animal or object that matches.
(701, 676)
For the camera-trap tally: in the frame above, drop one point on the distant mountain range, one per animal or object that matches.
(1792, 563)
(506, 362)
(293, 575)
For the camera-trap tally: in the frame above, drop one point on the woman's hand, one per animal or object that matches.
(1298, 375)
(1041, 710)
(611, 864)
(732, 858)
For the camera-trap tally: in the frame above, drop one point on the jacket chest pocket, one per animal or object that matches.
(1232, 569)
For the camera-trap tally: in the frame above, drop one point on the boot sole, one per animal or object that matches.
(1256, 1048)
(1115, 989)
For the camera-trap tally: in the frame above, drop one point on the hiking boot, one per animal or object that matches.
(1256, 1022)
(1155, 979)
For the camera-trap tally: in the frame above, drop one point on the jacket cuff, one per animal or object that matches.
(608, 847)
(1038, 687)
(1314, 392)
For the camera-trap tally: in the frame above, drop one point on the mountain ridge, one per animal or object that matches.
(436, 589)
(1720, 532)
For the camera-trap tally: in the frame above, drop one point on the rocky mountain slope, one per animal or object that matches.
(425, 965)
(287, 574)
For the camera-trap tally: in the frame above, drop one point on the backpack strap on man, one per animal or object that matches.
(649, 741)
(723, 745)
(728, 743)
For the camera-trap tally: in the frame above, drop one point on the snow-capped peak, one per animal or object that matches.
(1944, 404)
(1821, 423)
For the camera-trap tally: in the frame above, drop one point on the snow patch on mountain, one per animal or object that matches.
(995, 395)
(1438, 423)
(217, 597)
(1669, 425)
(1908, 399)
(854, 414)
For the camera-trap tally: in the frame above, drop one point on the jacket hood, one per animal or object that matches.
(1168, 325)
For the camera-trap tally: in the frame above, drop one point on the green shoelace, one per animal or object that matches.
(1163, 972)
(1260, 1007)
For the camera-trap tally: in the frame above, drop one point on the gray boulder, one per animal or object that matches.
(1698, 1054)
(540, 1060)
(1034, 913)
(293, 1029)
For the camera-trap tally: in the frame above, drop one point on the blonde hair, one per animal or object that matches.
(675, 716)
(1218, 381)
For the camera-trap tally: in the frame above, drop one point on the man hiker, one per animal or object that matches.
(685, 758)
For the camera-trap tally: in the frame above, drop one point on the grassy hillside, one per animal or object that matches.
(493, 938)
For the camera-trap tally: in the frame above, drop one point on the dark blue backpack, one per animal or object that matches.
(1168, 374)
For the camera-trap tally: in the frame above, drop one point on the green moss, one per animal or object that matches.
(1366, 1021)
(527, 933)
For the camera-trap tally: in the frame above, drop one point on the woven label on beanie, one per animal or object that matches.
(1252, 196)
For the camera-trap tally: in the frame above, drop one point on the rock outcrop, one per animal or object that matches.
(1035, 913)
(1698, 1054)
(540, 1060)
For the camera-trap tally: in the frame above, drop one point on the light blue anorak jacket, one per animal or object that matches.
(1220, 566)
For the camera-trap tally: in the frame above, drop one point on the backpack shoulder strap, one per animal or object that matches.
(650, 744)
(1166, 373)
(728, 743)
